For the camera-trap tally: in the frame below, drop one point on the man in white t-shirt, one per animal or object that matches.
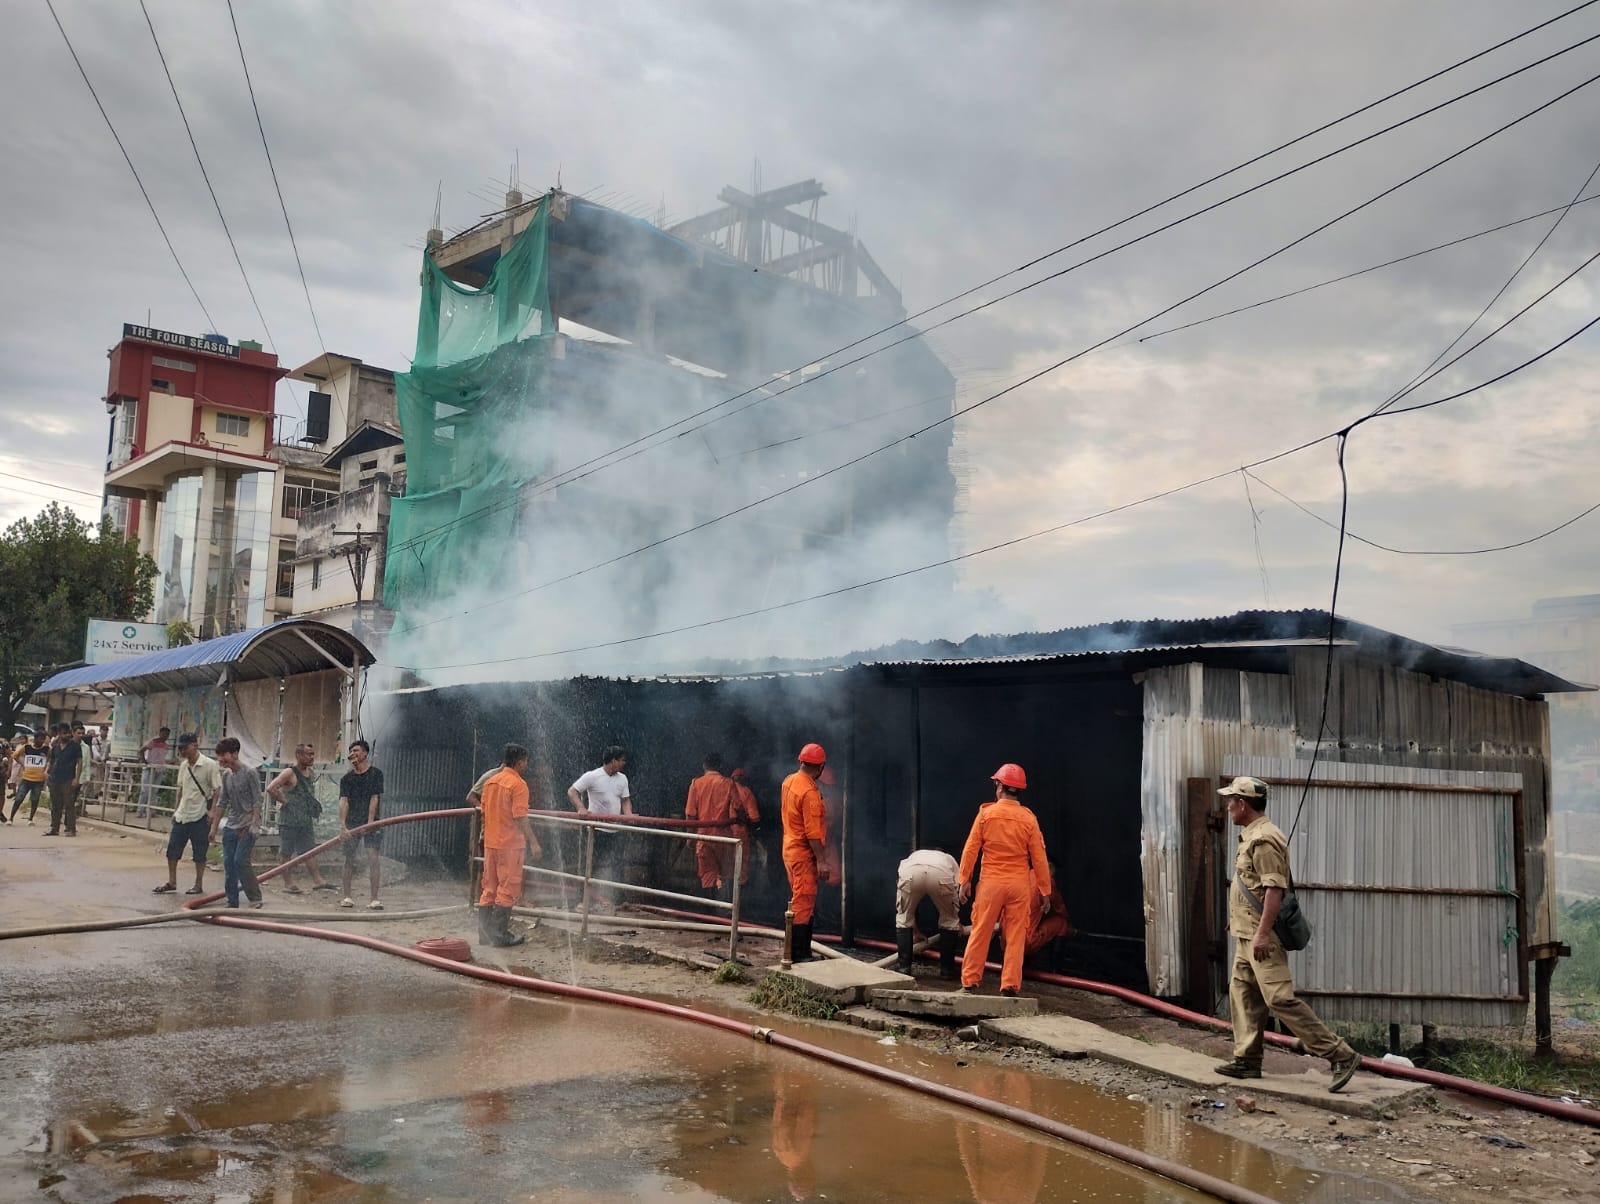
(604, 791)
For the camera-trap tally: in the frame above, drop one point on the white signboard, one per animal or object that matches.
(110, 640)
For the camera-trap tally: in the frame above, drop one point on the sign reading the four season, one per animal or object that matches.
(113, 640)
(188, 342)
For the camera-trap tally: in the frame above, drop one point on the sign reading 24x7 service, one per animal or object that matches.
(111, 640)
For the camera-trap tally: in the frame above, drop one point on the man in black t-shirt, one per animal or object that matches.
(360, 795)
(65, 755)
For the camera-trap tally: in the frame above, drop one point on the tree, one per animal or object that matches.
(56, 573)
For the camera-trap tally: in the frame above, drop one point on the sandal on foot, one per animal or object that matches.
(166, 888)
(195, 890)
(374, 906)
(324, 886)
(293, 890)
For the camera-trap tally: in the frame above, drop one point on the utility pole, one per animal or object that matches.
(356, 558)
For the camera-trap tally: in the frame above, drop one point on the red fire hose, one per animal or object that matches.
(1450, 1082)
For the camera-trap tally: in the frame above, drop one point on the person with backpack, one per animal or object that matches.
(294, 790)
(1261, 981)
(199, 781)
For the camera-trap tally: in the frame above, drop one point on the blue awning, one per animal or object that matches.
(280, 649)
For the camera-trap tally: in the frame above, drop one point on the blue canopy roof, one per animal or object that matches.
(279, 649)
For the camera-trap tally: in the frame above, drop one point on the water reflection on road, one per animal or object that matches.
(230, 1066)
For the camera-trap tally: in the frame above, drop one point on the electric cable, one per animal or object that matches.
(282, 205)
(206, 176)
(1383, 547)
(1030, 378)
(1387, 263)
(126, 158)
(51, 484)
(1255, 535)
(1341, 435)
(594, 464)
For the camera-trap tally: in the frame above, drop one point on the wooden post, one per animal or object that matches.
(788, 941)
(1199, 879)
(1544, 1045)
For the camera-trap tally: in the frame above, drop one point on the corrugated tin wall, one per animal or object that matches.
(1399, 955)
(1194, 716)
(1382, 714)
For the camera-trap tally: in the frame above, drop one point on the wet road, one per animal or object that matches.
(193, 1063)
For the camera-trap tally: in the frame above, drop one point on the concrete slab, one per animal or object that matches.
(1367, 1095)
(846, 981)
(951, 1005)
(878, 1021)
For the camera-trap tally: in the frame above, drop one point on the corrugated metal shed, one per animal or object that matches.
(280, 649)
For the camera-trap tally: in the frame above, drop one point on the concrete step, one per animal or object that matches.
(951, 1005)
(875, 1020)
(1366, 1095)
(845, 980)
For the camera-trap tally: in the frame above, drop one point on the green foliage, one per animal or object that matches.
(728, 972)
(56, 573)
(780, 992)
(1578, 924)
(180, 632)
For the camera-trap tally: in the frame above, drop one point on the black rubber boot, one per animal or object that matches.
(902, 943)
(486, 925)
(503, 931)
(801, 950)
(948, 941)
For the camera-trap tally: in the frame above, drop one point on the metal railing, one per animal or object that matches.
(120, 791)
(590, 827)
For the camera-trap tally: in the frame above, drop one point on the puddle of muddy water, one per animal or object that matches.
(305, 1073)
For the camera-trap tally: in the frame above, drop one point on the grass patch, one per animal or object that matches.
(728, 972)
(780, 992)
(1508, 1063)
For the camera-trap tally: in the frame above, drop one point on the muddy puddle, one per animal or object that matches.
(229, 1070)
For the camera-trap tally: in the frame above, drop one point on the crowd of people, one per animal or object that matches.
(69, 759)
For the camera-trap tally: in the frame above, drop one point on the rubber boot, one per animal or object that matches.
(902, 944)
(503, 929)
(948, 939)
(486, 925)
(801, 951)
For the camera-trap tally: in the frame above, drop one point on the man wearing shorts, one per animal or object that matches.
(199, 780)
(360, 795)
(294, 790)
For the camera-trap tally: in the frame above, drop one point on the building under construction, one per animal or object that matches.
(559, 330)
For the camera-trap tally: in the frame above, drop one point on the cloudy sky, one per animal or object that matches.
(960, 141)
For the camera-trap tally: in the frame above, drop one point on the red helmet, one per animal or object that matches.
(812, 754)
(739, 773)
(1012, 776)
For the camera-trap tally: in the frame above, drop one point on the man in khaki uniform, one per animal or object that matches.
(1261, 980)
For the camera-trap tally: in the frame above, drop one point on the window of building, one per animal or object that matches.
(233, 424)
(161, 361)
(300, 494)
(369, 465)
(285, 578)
(316, 574)
(400, 458)
(157, 385)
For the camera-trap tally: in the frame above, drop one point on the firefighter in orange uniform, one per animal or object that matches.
(748, 815)
(711, 802)
(805, 837)
(1007, 836)
(507, 838)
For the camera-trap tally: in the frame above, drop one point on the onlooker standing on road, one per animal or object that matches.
(156, 754)
(199, 780)
(360, 796)
(66, 755)
(102, 760)
(80, 788)
(238, 814)
(1261, 982)
(604, 791)
(14, 763)
(34, 759)
(294, 790)
(507, 839)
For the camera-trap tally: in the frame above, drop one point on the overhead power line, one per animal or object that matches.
(633, 448)
(126, 158)
(206, 176)
(1383, 547)
(282, 205)
(1340, 435)
(1034, 376)
(51, 484)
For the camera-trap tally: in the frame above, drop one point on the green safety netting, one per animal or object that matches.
(473, 383)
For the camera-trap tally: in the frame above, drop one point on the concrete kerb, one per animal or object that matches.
(1367, 1096)
(847, 981)
(952, 1005)
(113, 829)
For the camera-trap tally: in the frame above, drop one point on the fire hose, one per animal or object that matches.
(1417, 1074)
(1150, 1163)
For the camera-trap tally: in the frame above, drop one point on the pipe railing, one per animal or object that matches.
(590, 826)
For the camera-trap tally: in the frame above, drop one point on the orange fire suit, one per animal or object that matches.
(1042, 929)
(745, 809)
(711, 802)
(505, 802)
(803, 822)
(1007, 835)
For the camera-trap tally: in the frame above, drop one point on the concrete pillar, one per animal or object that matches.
(203, 551)
(147, 522)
